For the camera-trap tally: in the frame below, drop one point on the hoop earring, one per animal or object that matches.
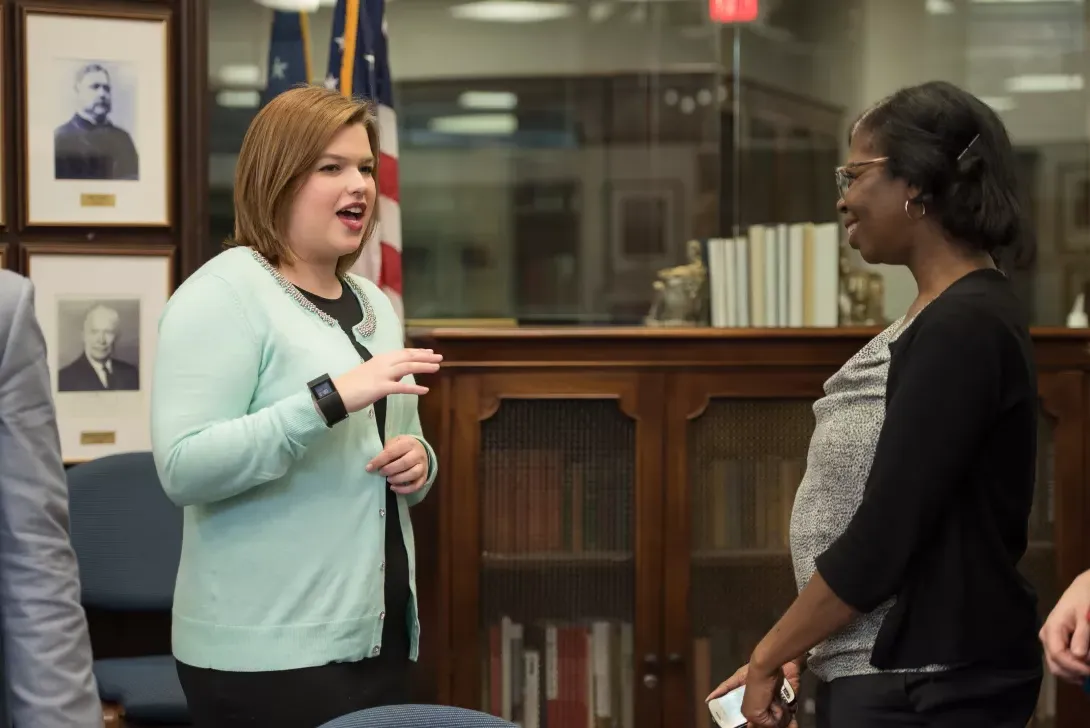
(909, 214)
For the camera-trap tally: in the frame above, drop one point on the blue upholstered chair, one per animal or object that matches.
(418, 716)
(128, 536)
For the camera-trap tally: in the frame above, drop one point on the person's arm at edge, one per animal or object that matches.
(47, 648)
(948, 394)
(207, 448)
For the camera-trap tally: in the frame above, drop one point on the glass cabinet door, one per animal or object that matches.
(736, 448)
(741, 461)
(746, 458)
(1056, 551)
(558, 610)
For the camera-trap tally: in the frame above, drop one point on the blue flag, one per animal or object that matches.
(359, 63)
(289, 54)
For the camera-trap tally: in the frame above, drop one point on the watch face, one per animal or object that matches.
(323, 389)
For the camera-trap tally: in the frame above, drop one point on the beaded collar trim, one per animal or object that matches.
(365, 328)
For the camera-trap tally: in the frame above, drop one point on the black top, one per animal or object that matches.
(395, 629)
(944, 518)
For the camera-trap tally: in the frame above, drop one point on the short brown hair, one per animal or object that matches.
(284, 141)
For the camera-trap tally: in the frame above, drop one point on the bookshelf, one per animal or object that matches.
(608, 536)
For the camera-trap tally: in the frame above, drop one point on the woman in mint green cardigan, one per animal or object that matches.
(284, 420)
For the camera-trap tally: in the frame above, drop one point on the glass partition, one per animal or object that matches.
(554, 156)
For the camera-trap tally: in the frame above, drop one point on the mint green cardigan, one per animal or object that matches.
(282, 553)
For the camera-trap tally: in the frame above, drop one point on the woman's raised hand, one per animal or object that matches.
(382, 376)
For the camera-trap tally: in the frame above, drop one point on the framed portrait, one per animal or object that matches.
(643, 222)
(97, 92)
(3, 256)
(99, 309)
(1073, 193)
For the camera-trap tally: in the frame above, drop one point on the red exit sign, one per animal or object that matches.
(732, 11)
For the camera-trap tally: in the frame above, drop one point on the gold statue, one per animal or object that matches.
(862, 295)
(679, 292)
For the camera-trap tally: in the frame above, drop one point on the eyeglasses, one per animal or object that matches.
(846, 175)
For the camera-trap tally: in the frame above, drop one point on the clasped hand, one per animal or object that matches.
(761, 704)
(404, 462)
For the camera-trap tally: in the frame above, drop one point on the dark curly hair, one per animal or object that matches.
(956, 151)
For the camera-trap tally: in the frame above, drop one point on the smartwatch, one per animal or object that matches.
(328, 400)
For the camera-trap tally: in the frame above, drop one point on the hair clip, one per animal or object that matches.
(967, 147)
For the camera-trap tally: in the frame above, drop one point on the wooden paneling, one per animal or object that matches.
(685, 390)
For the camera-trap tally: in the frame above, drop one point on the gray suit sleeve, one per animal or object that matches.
(46, 646)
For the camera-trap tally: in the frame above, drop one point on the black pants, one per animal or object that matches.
(303, 698)
(963, 698)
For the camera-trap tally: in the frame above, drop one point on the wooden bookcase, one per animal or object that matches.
(618, 499)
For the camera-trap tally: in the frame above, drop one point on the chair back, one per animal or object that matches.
(126, 533)
(418, 716)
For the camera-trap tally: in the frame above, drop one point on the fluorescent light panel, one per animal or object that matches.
(512, 11)
(488, 100)
(303, 6)
(1028, 2)
(238, 99)
(1044, 83)
(474, 124)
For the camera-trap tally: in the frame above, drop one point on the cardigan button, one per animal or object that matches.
(381, 512)
(371, 413)
(382, 616)
(376, 650)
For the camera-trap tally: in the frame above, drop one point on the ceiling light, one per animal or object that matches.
(512, 11)
(238, 99)
(1000, 103)
(301, 6)
(245, 75)
(474, 124)
(1044, 83)
(488, 100)
(1024, 2)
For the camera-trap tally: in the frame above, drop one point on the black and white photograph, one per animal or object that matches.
(94, 140)
(99, 308)
(97, 92)
(98, 345)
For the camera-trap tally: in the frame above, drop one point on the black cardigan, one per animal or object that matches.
(944, 517)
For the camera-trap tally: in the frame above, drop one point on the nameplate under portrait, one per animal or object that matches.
(97, 90)
(99, 308)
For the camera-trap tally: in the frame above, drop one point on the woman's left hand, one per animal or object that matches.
(761, 704)
(404, 462)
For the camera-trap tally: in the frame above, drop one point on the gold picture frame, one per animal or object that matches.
(99, 147)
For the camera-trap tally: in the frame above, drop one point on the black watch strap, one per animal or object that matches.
(327, 399)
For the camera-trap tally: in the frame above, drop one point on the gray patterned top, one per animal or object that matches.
(849, 419)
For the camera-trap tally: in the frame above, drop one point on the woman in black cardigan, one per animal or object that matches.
(913, 514)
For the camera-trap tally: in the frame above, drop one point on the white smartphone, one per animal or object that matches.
(727, 709)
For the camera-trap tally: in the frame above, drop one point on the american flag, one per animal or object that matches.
(289, 54)
(359, 66)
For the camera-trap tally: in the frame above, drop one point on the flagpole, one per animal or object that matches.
(304, 28)
(348, 58)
